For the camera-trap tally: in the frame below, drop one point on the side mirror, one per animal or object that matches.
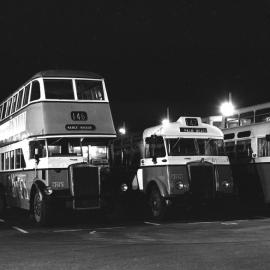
(154, 159)
(267, 137)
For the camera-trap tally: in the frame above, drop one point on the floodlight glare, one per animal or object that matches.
(165, 121)
(227, 109)
(122, 131)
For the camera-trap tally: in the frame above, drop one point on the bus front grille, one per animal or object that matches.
(202, 181)
(85, 186)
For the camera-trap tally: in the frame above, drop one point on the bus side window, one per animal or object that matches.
(246, 118)
(154, 147)
(26, 94)
(230, 149)
(14, 101)
(35, 91)
(263, 147)
(2, 162)
(243, 149)
(4, 110)
(40, 145)
(12, 160)
(19, 102)
(7, 157)
(232, 121)
(147, 149)
(8, 107)
(19, 159)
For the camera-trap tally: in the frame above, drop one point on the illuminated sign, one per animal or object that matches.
(79, 116)
(198, 130)
(192, 122)
(80, 127)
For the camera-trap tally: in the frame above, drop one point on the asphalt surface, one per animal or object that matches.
(200, 239)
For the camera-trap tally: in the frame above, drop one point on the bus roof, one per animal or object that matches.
(180, 128)
(253, 108)
(67, 74)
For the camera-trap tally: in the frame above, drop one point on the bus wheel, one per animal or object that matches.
(157, 204)
(41, 210)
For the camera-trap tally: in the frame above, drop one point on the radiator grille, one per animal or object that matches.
(202, 181)
(86, 186)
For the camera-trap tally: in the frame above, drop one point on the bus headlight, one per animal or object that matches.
(124, 187)
(48, 190)
(180, 185)
(227, 184)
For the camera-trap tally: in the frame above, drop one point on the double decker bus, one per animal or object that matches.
(247, 143)
(54, 134)
(182, 161)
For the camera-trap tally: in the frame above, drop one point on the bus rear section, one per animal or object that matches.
(181, 162)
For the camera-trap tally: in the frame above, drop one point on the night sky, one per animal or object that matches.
(185, 55)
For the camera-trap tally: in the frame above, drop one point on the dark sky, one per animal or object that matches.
(186, 55)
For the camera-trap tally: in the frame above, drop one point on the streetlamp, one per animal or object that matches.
(227, 108)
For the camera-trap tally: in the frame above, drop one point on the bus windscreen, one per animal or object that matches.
(195, 147)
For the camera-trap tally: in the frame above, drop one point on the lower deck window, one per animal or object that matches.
(263, 147)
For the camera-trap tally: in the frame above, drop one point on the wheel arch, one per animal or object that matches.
(159, 185)
(37, 185)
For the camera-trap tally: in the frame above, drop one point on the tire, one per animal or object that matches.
(41, 209)
(157, 204)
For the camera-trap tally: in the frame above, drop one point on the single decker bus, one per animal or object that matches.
(181, 161)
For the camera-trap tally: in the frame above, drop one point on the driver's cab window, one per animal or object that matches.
(40, 146)
(154, 147)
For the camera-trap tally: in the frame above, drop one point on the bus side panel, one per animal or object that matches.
(247, 181)
(17, 186)
(263, 173)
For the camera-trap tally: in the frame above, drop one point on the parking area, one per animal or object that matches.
(195, 241)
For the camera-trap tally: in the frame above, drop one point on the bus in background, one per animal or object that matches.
(54, 135)
(181, 161)
(247, 143)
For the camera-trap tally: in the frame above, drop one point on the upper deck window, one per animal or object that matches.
(14, 101)
(58, 89)
(232, 121)
(262, 115)
(26, 94)
(35, 91)
(89, 90)
(246, 118)
(19, 102)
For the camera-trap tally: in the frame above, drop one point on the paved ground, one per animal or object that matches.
(196, 240)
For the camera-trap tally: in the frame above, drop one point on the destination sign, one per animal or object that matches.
(189, 129)
(78, 116)
(80, 127)
(192, 122)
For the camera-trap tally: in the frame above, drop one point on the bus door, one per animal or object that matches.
(155, 160)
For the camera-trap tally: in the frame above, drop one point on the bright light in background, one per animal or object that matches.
(122, 131)
(165, 121)
(227, 108)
